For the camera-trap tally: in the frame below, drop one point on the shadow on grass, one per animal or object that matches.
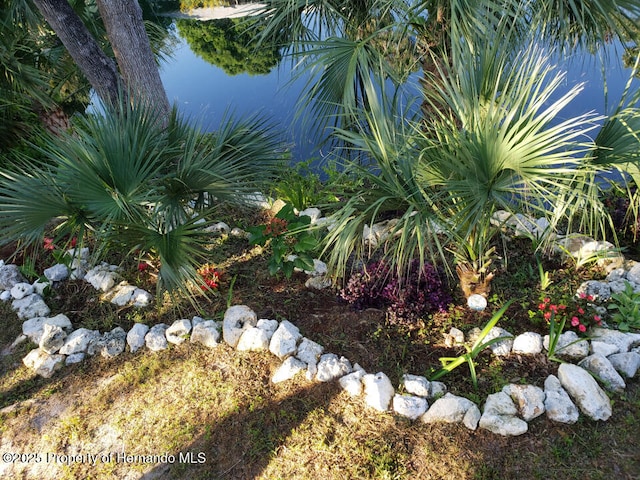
(242, 444)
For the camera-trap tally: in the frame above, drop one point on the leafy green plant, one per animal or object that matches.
(450, 363)
(134, 184)
(290, 239)
(302, 187)
(626, 308)
(545, 279)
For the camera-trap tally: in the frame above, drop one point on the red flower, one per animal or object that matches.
(575, 322)
(74, 242)
(582, 328)
(48, 244)
(142, 266)
(210, 276)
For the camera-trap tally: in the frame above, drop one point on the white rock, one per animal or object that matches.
(569, 346)
(331, 367)
(21, 290)
(141, 298)
(503, 347)
(528, 343)
(309, 352)
(600, 291)
(604, 348)
(113, 343)
(5, 296)
(102, 277)
(472, 418)
(239, 233)
(122, 294)
(603, 370)
(155, 339)
(74, 358)
(269, 326)
(417, 385)
(9, 276)
(633, 274)
(207, 333)
(78, 341)
(352, 383)
(253, 339)
(31, 306)
(448, 409)
(135, 337)
(39, 287)
(313, 213)
(378, 391)
(284, 341)
(477, 302)
(454, 337)
(178, 332)
(57, 273)
(499, 416)
(52, 338)
(219, 228)
(42, 363)
(624, 341)
(319, 268)
(529, 400)
(409, 406)
(237, 319)
(626, 364)
(289, 369)
(34, 327)
(584, 391)
(557, 403)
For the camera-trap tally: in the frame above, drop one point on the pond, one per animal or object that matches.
(205, 92)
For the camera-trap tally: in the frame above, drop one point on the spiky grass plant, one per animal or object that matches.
(134, 184)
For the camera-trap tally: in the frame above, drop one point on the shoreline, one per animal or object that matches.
(216, 13)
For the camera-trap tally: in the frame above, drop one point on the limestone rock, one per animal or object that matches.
(121, 294)
(570, 346)
(237, 319)
(528, 343)
(141, 298)
(309, 352)
(600, 291)
(57, 273)
(454, 337)
(448, 409)
(500, 416)
(284, 341)
(331, 367)
(178, 332)
(52, 338)
(529, 400)
(626, 364)
(624, 341)
(78, 341)
(42, 363)
(9, 276)
(156, 339)
(603, 348)
(135, 337)
(289, 369)
(378, 391)
(418, 385)
(31, 306)
(102, 277)
(584, 391)
(253, 339)
(21, 290)
(74, 358)
(34, 327)
(113, 343)
(409, 406)
(503, 347)
(269, 326)
(319, 282)
(207, 333)
(603, 370)
(352, 383)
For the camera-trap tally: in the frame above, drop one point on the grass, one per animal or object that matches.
(218, 416)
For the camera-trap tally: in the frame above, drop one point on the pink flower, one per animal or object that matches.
(74, 242)
(582, 328)
(575, 322)
(597, 319)
(547, 315)
(142, 266)
(48, 244)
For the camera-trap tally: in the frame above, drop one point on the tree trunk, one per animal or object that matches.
(129, 40)
(99, 69)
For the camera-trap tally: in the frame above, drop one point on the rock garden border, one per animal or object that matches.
(603, 363)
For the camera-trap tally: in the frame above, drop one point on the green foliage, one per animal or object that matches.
(230, 44)
(450, 363)
(302, 187)
(625, 307)
(134, 184)
(290, 239)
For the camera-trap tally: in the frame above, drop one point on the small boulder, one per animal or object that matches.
(584, 391)
(603, 370)
(289, 369)
(409, 406)
(237, 319)
(284, 341)
(42, 363)
(378, 391)
(331, 367)
(57, 273)
(52, 338)
(207, 333)
(627, 364)
(178, 332)
(135, 337)
(500, 416)
(156, 339)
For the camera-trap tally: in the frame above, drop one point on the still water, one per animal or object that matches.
(205, 92)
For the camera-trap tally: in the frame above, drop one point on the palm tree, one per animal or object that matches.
(133, 184)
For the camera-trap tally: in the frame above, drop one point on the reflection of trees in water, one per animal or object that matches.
(185, 5)
(229, 43)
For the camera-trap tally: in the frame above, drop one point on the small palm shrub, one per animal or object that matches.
(421, 292)
(136, 185)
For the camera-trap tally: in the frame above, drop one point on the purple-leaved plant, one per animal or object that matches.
(407, 299)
